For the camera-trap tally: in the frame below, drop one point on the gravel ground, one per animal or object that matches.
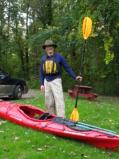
(31, 93)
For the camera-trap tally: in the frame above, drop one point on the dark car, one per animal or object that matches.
(11, 87)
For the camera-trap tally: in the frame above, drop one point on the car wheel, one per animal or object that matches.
(18, 92)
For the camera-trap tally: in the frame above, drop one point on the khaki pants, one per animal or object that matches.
(54, 99)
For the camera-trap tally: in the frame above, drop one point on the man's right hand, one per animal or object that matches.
(42, 88)
(79, 78)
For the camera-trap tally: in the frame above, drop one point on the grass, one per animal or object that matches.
(17, 142)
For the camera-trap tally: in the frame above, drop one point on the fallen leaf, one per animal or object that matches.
(46, 146)
(33, 146)
(39, 149)
(2, 131)
(16, 138)
(84, 156)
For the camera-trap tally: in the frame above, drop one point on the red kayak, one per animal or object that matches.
(35, 118)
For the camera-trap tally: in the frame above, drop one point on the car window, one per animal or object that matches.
(2, 75)
(1, 72)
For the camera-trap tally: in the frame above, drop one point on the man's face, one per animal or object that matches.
(49, 50)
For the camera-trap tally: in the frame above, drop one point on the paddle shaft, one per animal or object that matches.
(77, 93)
(81, 68)
(82, 56)
(97, 130)
(95, 127)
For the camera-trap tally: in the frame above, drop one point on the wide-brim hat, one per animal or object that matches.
(49, 43)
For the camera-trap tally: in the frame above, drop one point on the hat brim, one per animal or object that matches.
(53, 45)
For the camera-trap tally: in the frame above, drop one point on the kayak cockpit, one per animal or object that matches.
(35, 113)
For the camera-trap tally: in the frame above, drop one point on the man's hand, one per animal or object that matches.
(42, 88)
(79, 78)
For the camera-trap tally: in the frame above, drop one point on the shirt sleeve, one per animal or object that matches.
(41, 73)
(67, 68)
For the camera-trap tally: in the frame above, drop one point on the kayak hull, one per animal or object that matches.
(24, 115)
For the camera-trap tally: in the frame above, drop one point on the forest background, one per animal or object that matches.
(26, 24)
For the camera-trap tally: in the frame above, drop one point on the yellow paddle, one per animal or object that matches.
(86, 29)
(75, 114)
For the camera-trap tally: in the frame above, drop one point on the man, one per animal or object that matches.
(50, 78)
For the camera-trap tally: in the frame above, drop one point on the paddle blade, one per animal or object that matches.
(74, 115)
(87, 27)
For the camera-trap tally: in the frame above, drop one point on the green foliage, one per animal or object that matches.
(109, 55)
(33, 83)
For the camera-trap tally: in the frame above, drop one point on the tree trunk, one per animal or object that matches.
(26, 46)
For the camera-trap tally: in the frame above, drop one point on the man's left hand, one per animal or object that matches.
(79, 78)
